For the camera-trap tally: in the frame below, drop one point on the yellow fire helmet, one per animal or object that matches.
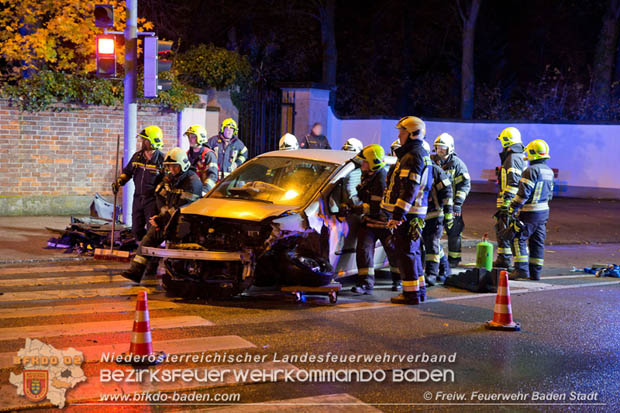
(510, 136)
(374, 155)
(177, 156)
(414, 125)
(537, 149)
(230, 122)
(199, 131)
(154, 135)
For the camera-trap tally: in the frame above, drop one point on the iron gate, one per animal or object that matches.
(264, 116)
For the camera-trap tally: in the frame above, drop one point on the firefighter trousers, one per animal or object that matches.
(454, 239)
(144, 207)
(409, 261)
(365, 253)
(532, 234)
(153, 238)
(504, 250)
(431, 236)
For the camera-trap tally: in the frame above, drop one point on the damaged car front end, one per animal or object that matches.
(273, 221)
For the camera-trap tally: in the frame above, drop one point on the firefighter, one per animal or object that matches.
(315, 139)
(531, 204)
(229, 149)
(508, 177)
(352, 180)
(439, 213)
(201, 157)
(180, 186)
(288, 142)
(405, 204)
(372, 227)
(145, 169)
(461, 184)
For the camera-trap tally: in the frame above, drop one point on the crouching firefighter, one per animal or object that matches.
(201, 157)
(373, 226)
(508, 177)
(145, 169)
(180, 186)
(405, 204)
(532, 206)
(439, 214)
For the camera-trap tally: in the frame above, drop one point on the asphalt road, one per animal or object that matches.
(568, 343)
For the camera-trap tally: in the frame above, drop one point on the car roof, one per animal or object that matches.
(326, 155)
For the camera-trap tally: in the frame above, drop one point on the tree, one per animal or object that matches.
(602, 71)
(468, 17)
(38, 34)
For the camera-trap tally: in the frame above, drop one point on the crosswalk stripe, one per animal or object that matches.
(327, 403)
(34, 282)
(69, 294)
(115, 326)
(94, 308)
(92, 389)
(59, 268)
(180, 346)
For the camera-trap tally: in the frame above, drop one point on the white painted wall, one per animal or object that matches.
(586, 155)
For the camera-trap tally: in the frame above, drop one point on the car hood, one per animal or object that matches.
(235, 209)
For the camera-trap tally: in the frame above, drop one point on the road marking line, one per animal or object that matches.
(59, 268)
(325, 403)
(94, 308)
(92, 389)
(114, 326)
(181, 346)
(70, 294)
(560, 277)
(85, 279)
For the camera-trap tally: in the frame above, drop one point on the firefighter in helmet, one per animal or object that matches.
(372, 227)
(460, 181)
(405, 203)
(180, 186)
(145, 169)
(530, 211)
(229, 150)
(201, 157)
(508, 176)
(288, 142)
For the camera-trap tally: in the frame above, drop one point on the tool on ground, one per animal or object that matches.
(100, 253)
(502, 313)
(141, 348)
(484, 253)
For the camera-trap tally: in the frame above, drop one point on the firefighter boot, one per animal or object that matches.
(411, 299)
(135, 271)
(535, 271)
(503, 261)
(444, 269)
(396, 284)
(362, 289)
(431, 280)
(518, 274)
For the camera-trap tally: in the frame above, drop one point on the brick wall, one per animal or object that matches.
(68, 154)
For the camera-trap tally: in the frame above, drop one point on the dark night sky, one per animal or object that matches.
(381, 43)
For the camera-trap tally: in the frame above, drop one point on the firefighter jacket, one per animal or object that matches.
(370, 192)
(459, 177)
(229, 156)
(204, 163)
(440, 195)
(409, 182)
(509, 174)
(146, 173)
(173, 192)
(311, 141)
(535, 188)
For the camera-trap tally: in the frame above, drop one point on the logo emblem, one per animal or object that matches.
(35, 384)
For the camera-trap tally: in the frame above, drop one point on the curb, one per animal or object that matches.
(42, 260)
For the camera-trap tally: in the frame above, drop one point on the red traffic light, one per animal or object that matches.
(106, 45)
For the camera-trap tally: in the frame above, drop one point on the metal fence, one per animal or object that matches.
(264, 116)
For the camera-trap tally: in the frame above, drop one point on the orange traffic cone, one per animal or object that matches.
(502, 314)
(141, 347)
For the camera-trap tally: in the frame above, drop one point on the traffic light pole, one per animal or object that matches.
(130, 103)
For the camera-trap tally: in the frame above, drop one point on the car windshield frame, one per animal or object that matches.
(278, 180)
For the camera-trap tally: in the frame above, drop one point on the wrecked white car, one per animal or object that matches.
(276, 220)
